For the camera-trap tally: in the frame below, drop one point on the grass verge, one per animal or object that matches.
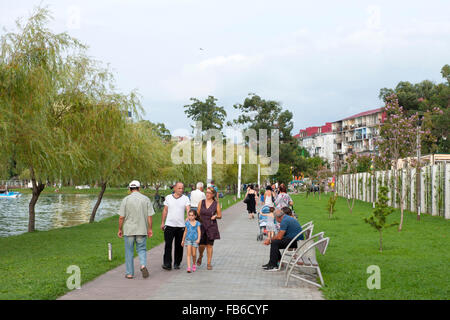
(414, 263)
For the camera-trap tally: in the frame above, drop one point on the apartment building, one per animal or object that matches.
(336, 140)
(318, 141)
(357, 133)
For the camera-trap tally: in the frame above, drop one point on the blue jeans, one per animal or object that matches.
(141, 248)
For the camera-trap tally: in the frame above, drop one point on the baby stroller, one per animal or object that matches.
(262, 223)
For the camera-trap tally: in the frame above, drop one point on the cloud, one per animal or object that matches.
(231, 61)
(374, 20)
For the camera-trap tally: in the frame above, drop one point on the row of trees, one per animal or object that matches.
(421, 98)
(62, 118)
(258, 113)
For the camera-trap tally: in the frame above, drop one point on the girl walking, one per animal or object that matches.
(191, 238)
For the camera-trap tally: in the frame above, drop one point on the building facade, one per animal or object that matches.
(357, 134)
(336, 140)
(318, 141)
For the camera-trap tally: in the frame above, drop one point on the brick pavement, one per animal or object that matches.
(236, 274)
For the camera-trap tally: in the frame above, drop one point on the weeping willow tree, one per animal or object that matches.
(101, 128)
(34, 64)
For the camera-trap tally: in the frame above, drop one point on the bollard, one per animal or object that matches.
(109, 251)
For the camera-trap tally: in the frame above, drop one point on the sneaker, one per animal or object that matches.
(176, 266)
(194, 268)
(271, 268)
(145, 273)
(265, 266)
(188, 270)
(166, 267)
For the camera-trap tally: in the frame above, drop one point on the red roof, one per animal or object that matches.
(313, 130)
(365, 113)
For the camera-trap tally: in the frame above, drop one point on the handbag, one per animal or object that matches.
(246, 200)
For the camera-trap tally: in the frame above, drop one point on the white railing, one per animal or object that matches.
(434, 196)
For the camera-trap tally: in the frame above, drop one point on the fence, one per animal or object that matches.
(14, 184)
(434, 188)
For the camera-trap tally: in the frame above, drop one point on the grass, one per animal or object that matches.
(33, 265)
(414, 263)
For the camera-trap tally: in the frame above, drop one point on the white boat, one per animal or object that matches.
(9, 194)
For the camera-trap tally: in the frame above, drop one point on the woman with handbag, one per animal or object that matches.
(250, 200)
(209, 211)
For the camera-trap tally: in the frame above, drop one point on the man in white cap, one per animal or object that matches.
(135, 224)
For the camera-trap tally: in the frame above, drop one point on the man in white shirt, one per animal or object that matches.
(172, 223)
(197, 195)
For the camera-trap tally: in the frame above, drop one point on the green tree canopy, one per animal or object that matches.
(35, 65)
(421, 98)
(257, 113)
(210, 115)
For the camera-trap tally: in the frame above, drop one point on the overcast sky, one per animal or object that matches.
(323, 60)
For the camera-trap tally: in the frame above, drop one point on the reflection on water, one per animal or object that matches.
(53, 211)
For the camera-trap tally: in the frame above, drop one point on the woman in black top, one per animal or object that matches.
(251, 203)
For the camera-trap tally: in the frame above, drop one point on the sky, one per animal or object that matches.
(322, 60)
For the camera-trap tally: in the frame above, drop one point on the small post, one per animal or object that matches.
(208, 163)
(109, 251)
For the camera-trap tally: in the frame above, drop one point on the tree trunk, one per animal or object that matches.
(99, 200)
(351, 207)
(381, 241)
(401, 215)
(37, 189)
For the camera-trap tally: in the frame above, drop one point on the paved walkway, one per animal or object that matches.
(236, 274)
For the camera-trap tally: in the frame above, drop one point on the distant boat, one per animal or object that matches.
(9, 194)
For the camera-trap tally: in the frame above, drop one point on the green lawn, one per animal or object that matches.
(414, 263)
(33, 265)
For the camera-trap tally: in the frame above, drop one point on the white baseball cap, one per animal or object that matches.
(134, 184)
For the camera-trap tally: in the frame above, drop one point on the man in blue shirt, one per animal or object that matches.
(289, 228)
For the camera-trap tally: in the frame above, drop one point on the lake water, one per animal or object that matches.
(53, 211)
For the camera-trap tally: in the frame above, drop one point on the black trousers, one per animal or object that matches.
(171, 234)
(275, 247)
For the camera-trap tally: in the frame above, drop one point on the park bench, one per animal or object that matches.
(307, 230)
(306, 260)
